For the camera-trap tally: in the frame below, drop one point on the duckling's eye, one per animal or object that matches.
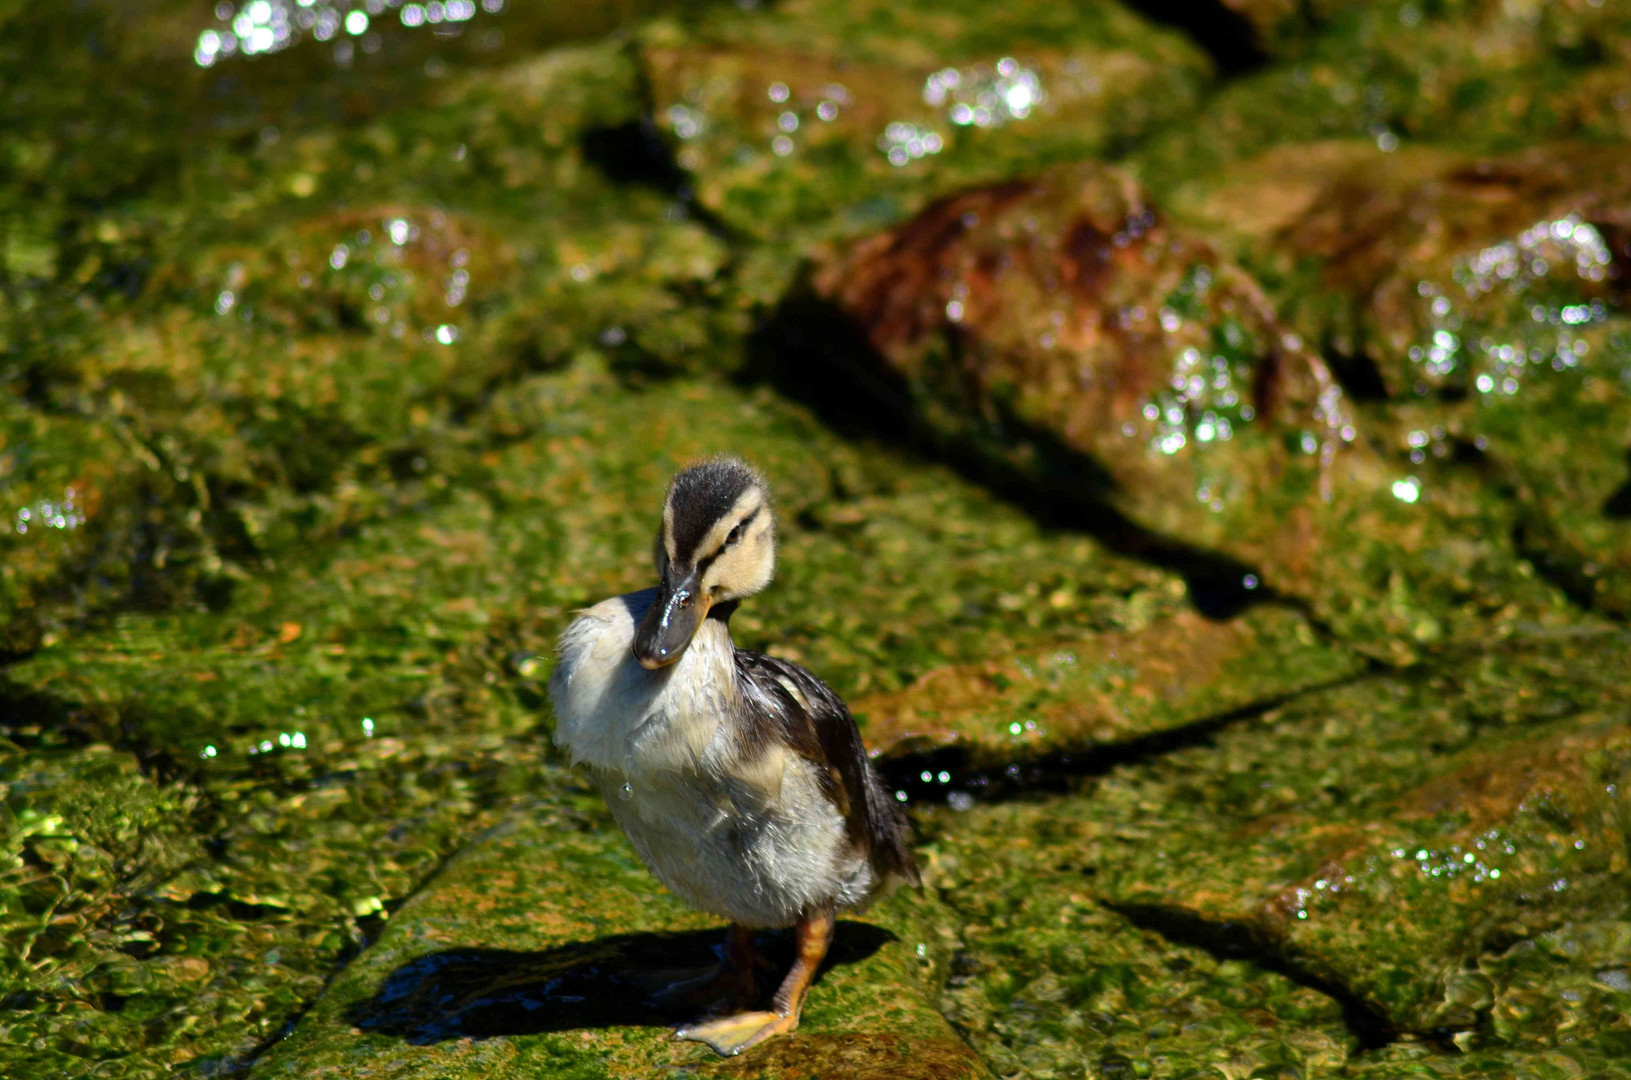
(734, 536)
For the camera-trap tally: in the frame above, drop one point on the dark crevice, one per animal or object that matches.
(635, 152)
(1537, 542)
(1370, 1027)
(809, 350)
(1618, 505)
(1063, 771)
(1358, 375)
(1224, 34)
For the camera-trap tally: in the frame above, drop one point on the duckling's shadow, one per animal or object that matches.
(609, 982)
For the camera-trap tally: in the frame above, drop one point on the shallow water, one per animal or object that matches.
(1223, 536)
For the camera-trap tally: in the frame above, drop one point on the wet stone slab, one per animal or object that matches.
(536, 950)
(1419, 874)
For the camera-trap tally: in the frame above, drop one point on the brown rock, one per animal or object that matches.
(1062, 326)
(1494, 289)
(1415, 239)
(1066, 304)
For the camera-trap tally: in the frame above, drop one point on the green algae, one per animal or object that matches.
(1266, 869)
(1481, 76)
(1047, 981)
(351, 720)
(1437, 863)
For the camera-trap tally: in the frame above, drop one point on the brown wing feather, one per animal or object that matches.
(817, 724)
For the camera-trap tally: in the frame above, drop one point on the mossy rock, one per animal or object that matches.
(1415, 874)
(1061, 333)
(817, 119)
(1418, 872)
(1483, 297)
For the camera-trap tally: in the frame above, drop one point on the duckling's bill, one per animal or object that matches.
(672, 621)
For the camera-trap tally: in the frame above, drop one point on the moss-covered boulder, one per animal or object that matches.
(1476, 75)
(1483, 295)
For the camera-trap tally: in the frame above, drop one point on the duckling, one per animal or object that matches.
(739, 778)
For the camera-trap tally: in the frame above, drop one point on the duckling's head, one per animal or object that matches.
(717, 545)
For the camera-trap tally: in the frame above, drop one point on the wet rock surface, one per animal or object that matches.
(1372, 922)
(1202, 451)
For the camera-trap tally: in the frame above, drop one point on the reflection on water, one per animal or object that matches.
(1545, 275)
(985, 95)
(268, 26)
(64, 513)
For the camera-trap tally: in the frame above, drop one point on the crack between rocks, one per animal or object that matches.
(1214, 28)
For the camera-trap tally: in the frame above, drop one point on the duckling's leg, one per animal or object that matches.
(730, 985)
(734, 1034)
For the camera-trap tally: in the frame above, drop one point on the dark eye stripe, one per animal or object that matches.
(703, 564)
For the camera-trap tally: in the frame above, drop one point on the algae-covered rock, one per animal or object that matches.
(1383, 877)
(1048, 981)
(816, 119)
(1065, 305)
(1431, 241)
(1488, 295)
(539, 950)
(338, 350)
(1404, 876)
(1479, 75)
(342, 724)
(1060, 328)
